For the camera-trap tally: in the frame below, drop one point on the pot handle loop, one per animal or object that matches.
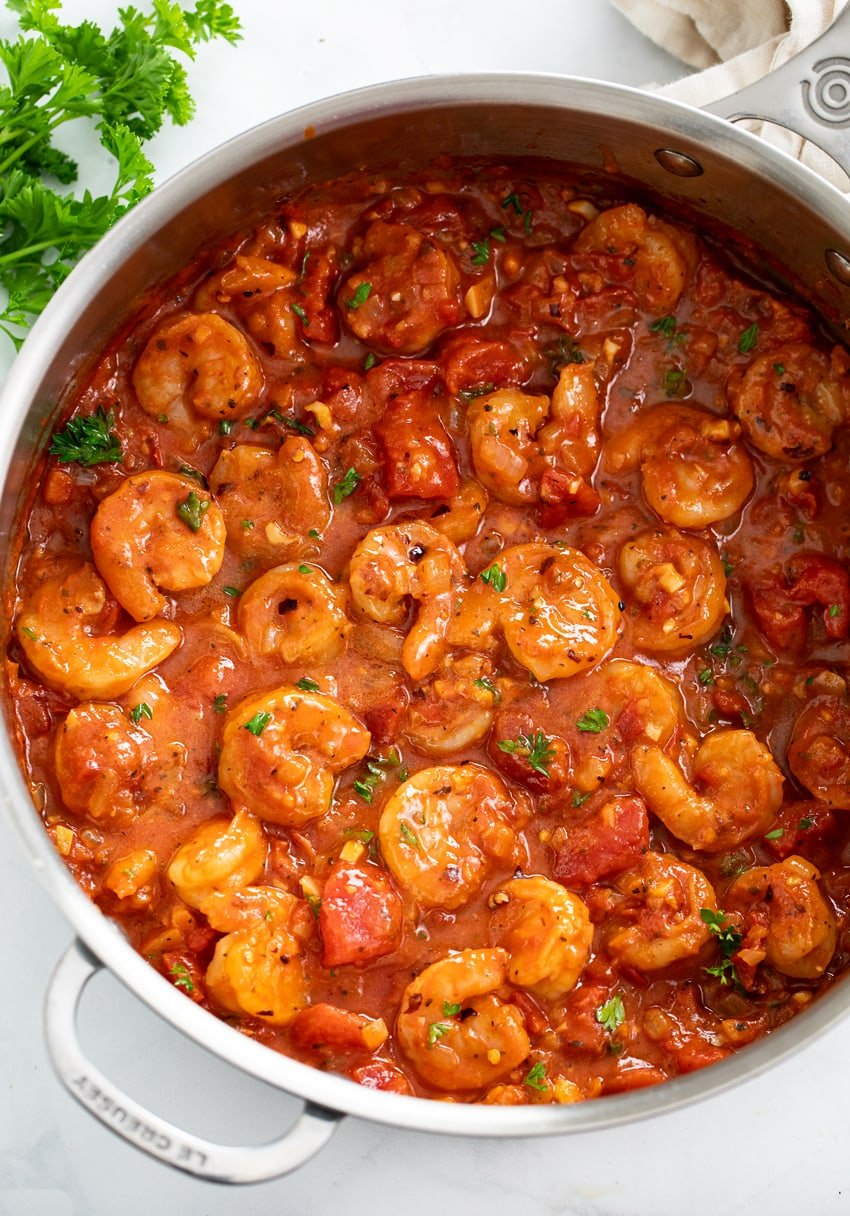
(810, 94)
(147, 1131)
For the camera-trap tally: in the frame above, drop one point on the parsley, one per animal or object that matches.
(664, 325)
(805, 824)
(494, 577)
(512, 203)
(562, 352)
(469, 394)
(748, 339)
(188, 471)
(346, 485)
(779, 368)
(481, 255)
(834, 610)
(535, 1078)
(775, 834)
(675, 382)
(733, 864)
(307, 685)
(225, 427)
(314, 903)
(314, 534)
(258, 723)
(728, 566)
(436, 1031)
(299, 427)
(364, 834)
(89, 439)
(490, 687)
(233, 592)
(407, 836)
(579, 799)
(728, 941)
(593, 721)
(377, 768)
(192, 510)
(706, 677)
(220, 703)
(612, 1014)
(450, 1010)
(537, 750)
(247, 524)
(124, 84)
(498, 234)
(361, 295)
(30, 633)
(142, 710)
(305, 569)
(182, 979)
(300, 314)
(369, 362)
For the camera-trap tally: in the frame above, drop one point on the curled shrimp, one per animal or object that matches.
(819, 751)
(101, 761)
(442, 830)
(459, 517)
(674, 587)
(200, 364)
(282, 750)
(247, 277)
(454, 707)
(547, 933)
(794, 928)
(454, 1030)
(271, 500)
(662, 255)
(409, 561)
(223, 855)
(694, 469)
(658, 922)
(734, 792)
(258, 966)
(56, 629)
(296, 612)
(157, 530)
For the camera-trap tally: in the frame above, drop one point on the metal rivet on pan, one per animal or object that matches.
(678, 162)
(838, 265)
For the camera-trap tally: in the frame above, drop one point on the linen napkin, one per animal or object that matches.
(734, 43)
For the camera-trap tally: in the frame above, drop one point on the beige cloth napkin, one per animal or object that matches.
(735, 42)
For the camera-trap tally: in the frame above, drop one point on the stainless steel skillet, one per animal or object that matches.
(719, 171)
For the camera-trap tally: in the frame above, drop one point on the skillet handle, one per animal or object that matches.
(810, 94)
(147, 1131)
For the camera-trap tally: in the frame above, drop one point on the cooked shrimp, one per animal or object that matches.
(442, 830)
(819, 752)
(157, 530)
(296, 612)
(258, 967)
(694, 469)
(560, 1090)
(734, 792)
(223, 855)
(197, 363)
(664, 256)
(791, 400)
(459, 518)
(801, 933)
(454, 1030)
(675, 589)
(502, 426)
(660, 914)
(454, 707)
(101, 760)
(546, 930)
(247, 277)
(282, 750)
(272, 500)
(409, 561)
(571, 434)
(56, 631)
(558, 612)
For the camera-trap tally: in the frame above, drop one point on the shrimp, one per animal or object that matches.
(454, 708)
(658, 922)
(546, 930)
(663, 256)
(459, 517)
(282, 750)
(736, 790)
(247, 277)
(800, 934)
(258, 967)
(559, 1090)
(271, 501)
(819, 752)
(102, 760)
(694, 469)
(409, 560)
(157, 530)
(558, 612)
(791, 400)
(56, 627)
(454, 1030)
(224, 855)
(442, 830)
(199, 364)
(675, 589)
(296, 612)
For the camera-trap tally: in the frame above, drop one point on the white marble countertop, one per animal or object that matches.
(777, 1144)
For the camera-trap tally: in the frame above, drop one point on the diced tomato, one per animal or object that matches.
(805, 826)
(378, 1074)
(810, 579)
(696, 1053)
(580, 1029)
(184, 971)
(419, 457)
(514, 729)
(605, 844)
(565, 496)
(314, 293)
(536, 1021)
(360, 916)
(471, 362)
(328, 1028)
(633, 1076)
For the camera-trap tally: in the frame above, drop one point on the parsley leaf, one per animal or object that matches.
(748, 339)
(494, 577)
(377, 768)
(728, 942)
(535, 1078)
(488, 686)
(593, 721)
(307, 685)
(258, 723)
(612, 1013)
(537, 750)
(436, 1031)
(88, 440)
(481, 252)
(192, 510)
(142, 710)
(346, 485)
(179, 973)
(361, 295)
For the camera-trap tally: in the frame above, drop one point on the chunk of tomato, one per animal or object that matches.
(360, 917)
(608, 842)
(419, 457)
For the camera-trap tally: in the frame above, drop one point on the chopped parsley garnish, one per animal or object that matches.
(728, 566)
(182, 979)
(834, 610)
(664, 325)
(258, 723)
(537, 749)
(488, 686)
(481, 252)
(612, 1013)
(364, 834)
(314, 534)
(247, 524)
(307, 685)
(805, 824)
(300, 428)
(142, 710)
(674, 382)
(346, 485)
(369, 362)
(188, 471)
(300, 314)
(779, 368)
(407, 836)
(305, 569)
(512, 202)
(728, 941)
(775, 834)
(706, 676)
(314, 903)
(562, 352)
(494, 577)
(535, 1078)
(450, 1010)
(579, 798)
(233, 592)
(469, 394)
(88, 440)
(592, 721)
(361, 295)
(498, 234)
(377, 768)
(225, 427)
(192, 510)
(748, 339)
(30, 633)
(220, 703)
(436, 1031)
